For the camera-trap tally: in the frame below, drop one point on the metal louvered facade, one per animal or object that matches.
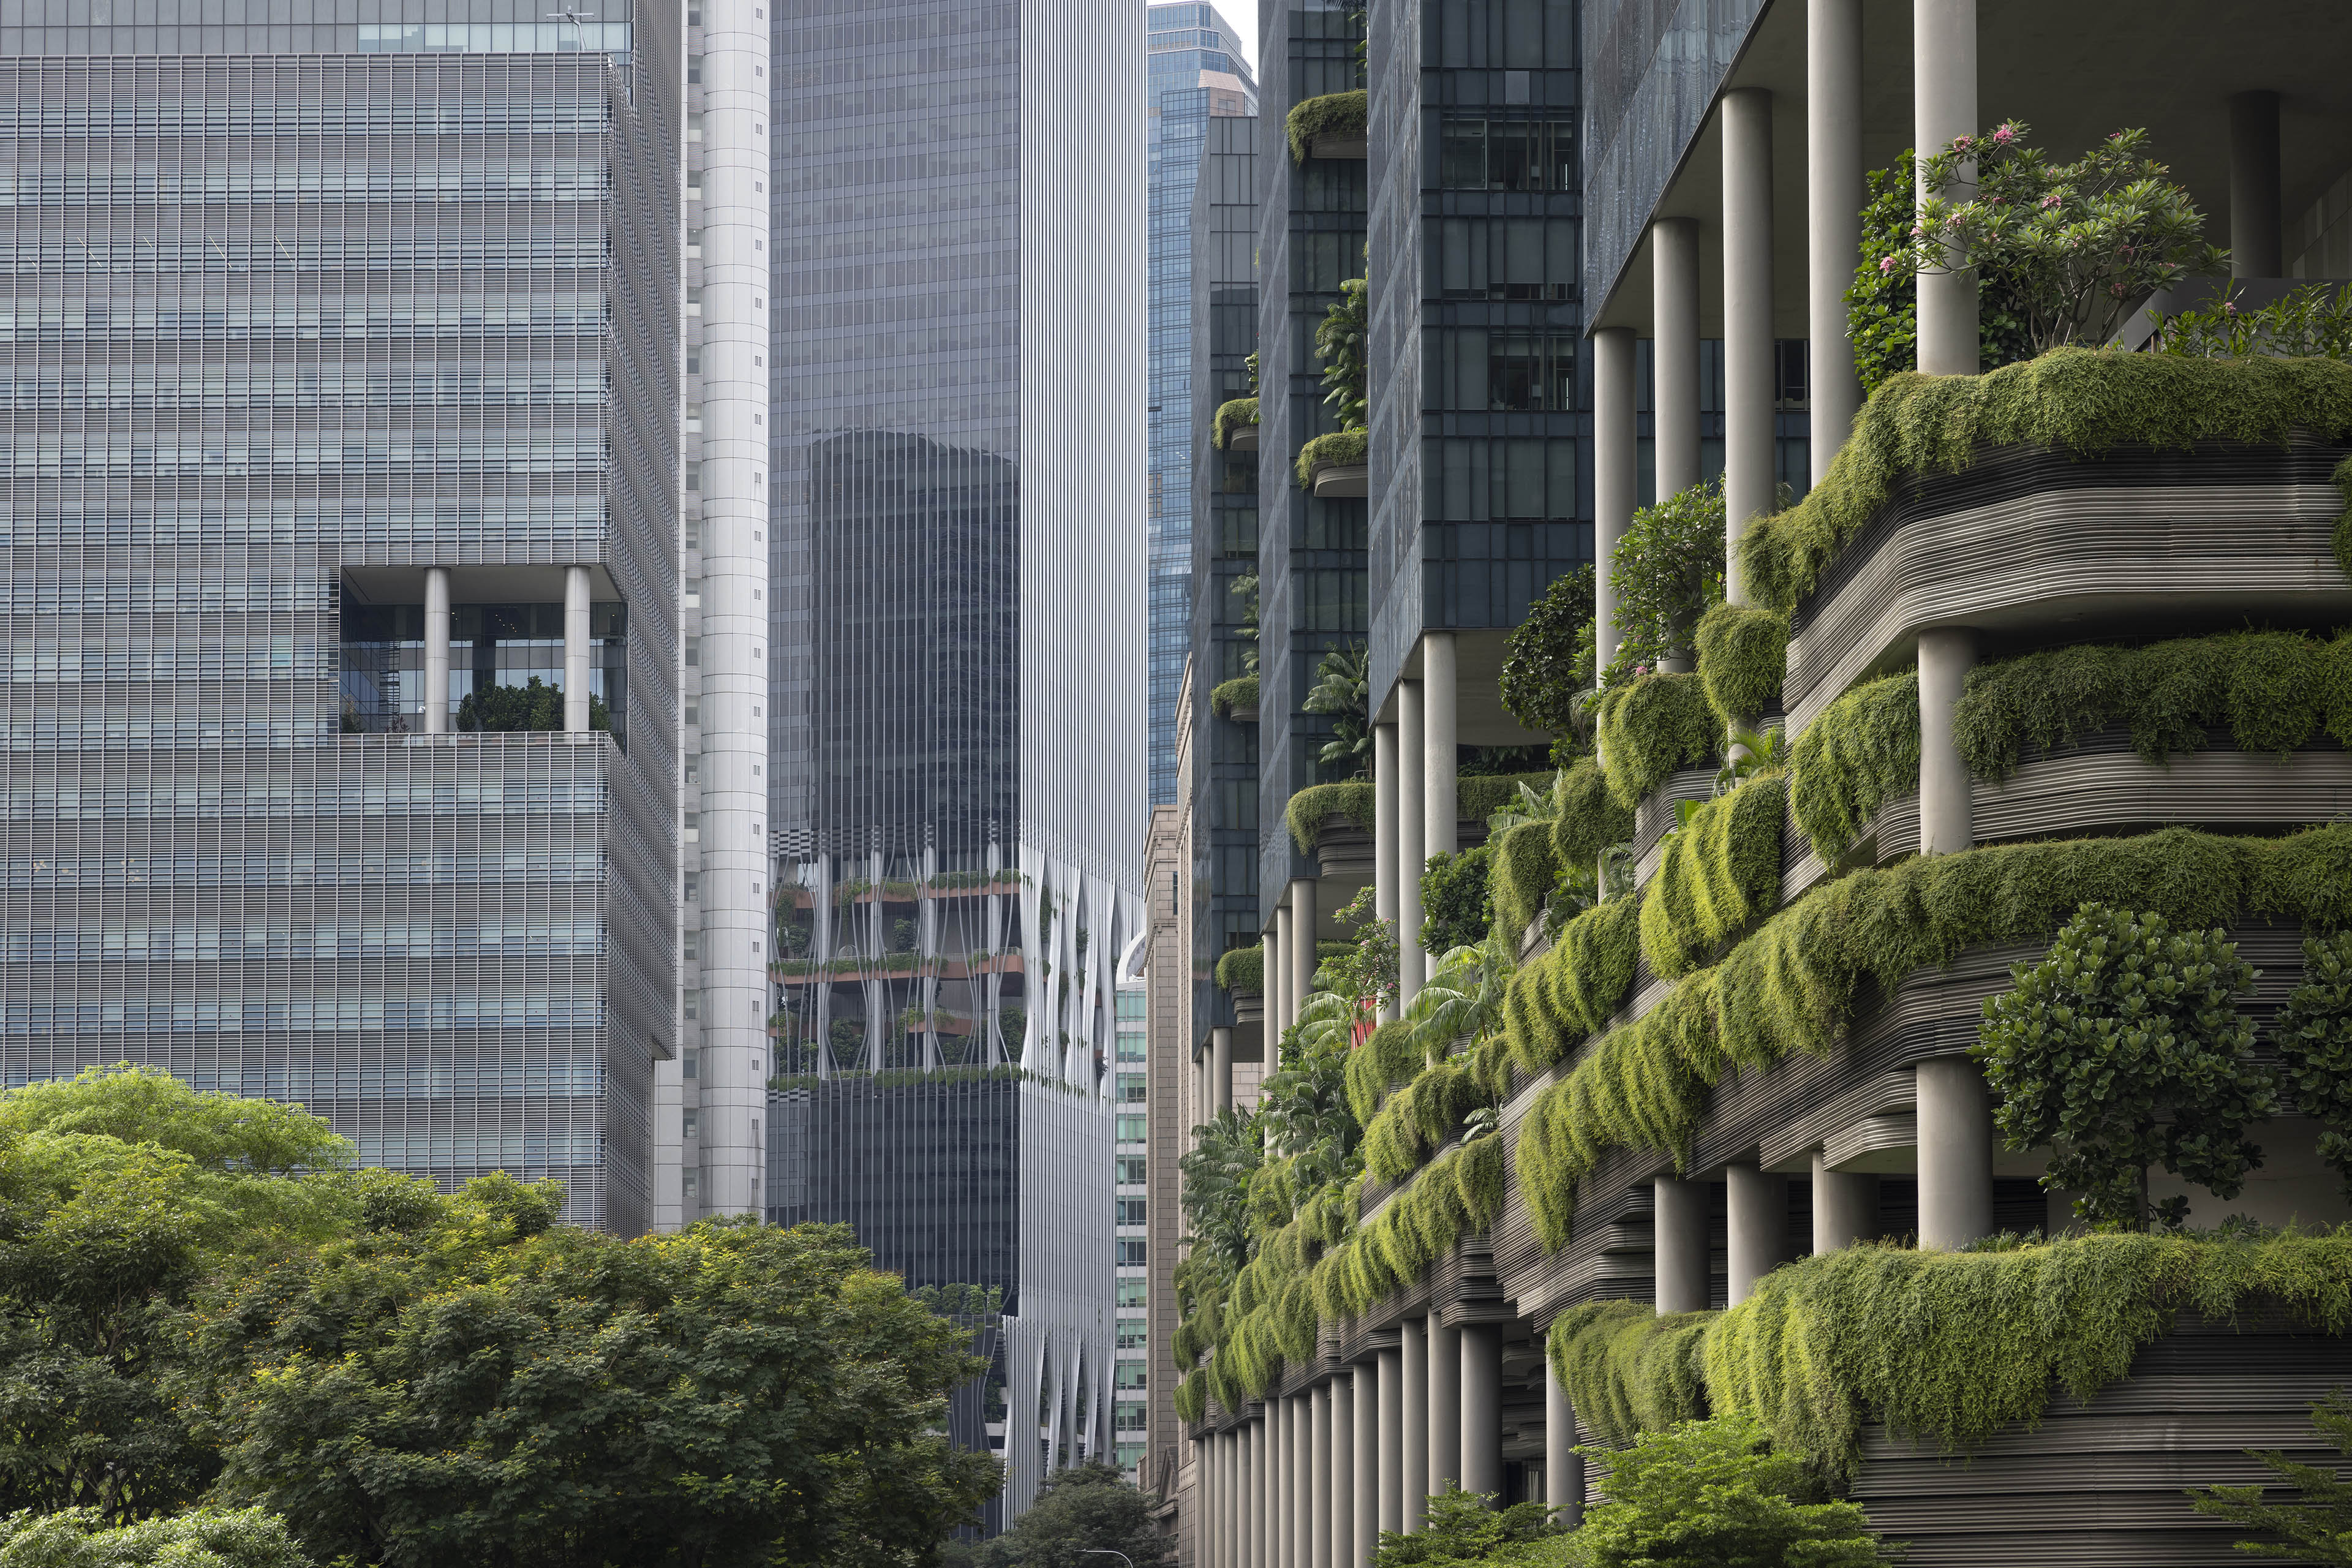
(283, 335)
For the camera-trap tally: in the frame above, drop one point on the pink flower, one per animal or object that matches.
(1887, 264)
(1918, 231)
(1962, 144)
(2050, 200)
(2004, 133)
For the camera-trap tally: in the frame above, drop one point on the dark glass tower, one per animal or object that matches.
(958, 657)
(340, 355)
(1197, 74)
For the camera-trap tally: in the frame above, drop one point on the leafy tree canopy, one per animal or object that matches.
(1343, 686)
(1460, 1526)
(1548, 661)
(202, 1538)
(537, 706)
(1713, 1494)
(1088, 1508)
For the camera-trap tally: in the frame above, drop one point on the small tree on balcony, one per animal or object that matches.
(1343, 344)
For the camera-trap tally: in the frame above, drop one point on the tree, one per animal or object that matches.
(537, 706)
(120, 1190)
(2124, 1049)
(1215, 1174)
(1087, 1507)
(1457, 907)
(1882, 304)
(1666, 572)
(202, 1538)
(2313, 1035)
(1548, 659)
(2078, 246)
(1461, 1527)
(1342, 341)
(1343, 689)
(2318, 1529)
(1713, 1494)
(467, 1384)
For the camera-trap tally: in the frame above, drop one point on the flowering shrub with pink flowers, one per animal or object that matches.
(2078, 247)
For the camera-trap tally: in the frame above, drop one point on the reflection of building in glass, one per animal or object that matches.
(957, 657)
(361, 395)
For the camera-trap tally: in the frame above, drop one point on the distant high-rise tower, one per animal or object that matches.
(1198, 72)
(957, 651)
(341, 375)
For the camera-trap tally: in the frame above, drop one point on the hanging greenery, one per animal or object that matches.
(1863, 751)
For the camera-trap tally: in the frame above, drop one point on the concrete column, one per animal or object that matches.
(1220, 1072)
(1833, 190)
(1302, 943)
(1444, 1403)
(1302, 1470)
(1441, 811)
(1342, 1452)
(1411, 855)
(1944, 107)
(1616, 475)
(1563, 1466)
(575, 649)
(1482, 1410)
(1758, 1231)
(1366, 1475)
(1278, 1553)
(1750, 373)
(1845, 1206)
(1947, 820)
(1278, 984)
(1384, 829)
(1679, 1258)
(1412, 1373)
(1319, 1482)
(1249, 1525)
(1391, 1488)
(2257, 224)
(1673, 362)
(436, 650)
(1955, 1154)
(1229, 1527)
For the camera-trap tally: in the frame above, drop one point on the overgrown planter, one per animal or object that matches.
(1336, 125)
(1235, 427)
(1335, 465)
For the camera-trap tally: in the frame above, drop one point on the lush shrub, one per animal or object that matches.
(1666, 571)
(1716, 1494)
(1547, 660)
(2320, 1524)
(2313, 1037)
(512, 709)
(1522, 874)
(1333, 114)
(1743, 656)
(1649, 729)
(1863, 751)
(1586, 817)
(1460, 1526)
(202, 1538)
(1790, 986)
(2124, 1049)
(1342, 690)
(1561, 998)
(2272, 691)
(1390, 1056)
(2303, 321)
(1235, 413)
(1455, 909)
(1353, 799)
(1243, 969)
(1339, 449)
(1233, 697)
(1343, 341)
(1719, 875)
(1627, 1370)
(2080, 401)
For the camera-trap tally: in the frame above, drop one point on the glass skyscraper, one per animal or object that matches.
(340, 373)
(957, 659)
(1197, 73)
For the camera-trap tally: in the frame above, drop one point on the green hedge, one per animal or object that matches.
(1387, 1057)
(1339, 449)
(1720, 874)
(1233, 697)
(1524, 872)
(1419, 1118)
(1788, 987)
(1333, 114)
(1863, 751)
(1743, 657)
(1587, 819)
(1649, 729)
(2082, 401)
(1944, 1347)
(1353, 799)
(1243, 969)
(1561, 998)
(2272, 690)
(1234, 414)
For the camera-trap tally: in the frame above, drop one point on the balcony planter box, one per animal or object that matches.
(1333, 465)
(1236, 700)
(1236, 425)
(1336, 125)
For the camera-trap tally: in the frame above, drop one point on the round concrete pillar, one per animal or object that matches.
(1412, 1493)
(1944, 108)
(1616, 476)
(1845, 1206)
(1956, 1137)
(1833, 195)
(1756, 1232)
(1946, 816)
(1750, 354)
(1680, 1246)
(1444, 1403)
(1482, 1410)
(1674, 353)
